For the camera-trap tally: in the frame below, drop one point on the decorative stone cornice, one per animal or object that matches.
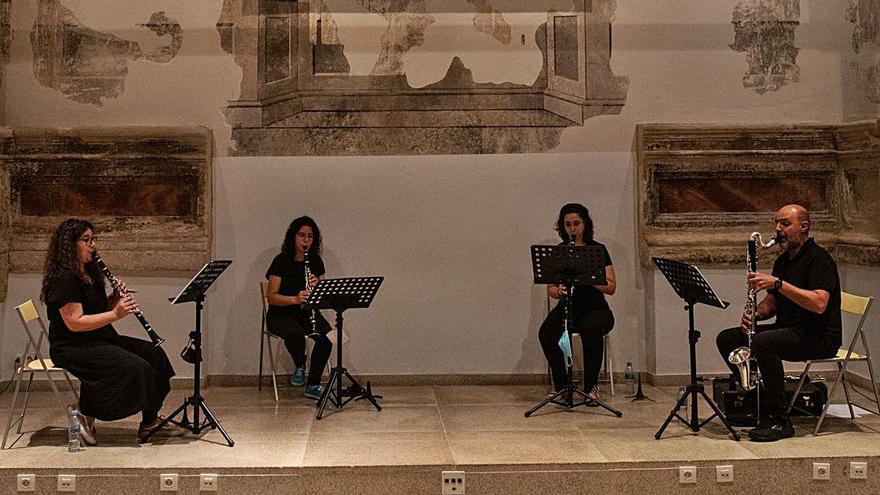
(147, 190)
(702, 189)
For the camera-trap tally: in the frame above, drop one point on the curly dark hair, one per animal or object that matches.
(61, 255)
(288, 249)
(582, 212)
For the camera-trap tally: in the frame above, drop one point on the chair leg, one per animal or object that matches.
(798, 389)
(844, 382)
(272, 365)
(27, 398)
(828, 402)
(18, 377)
(609, 364)
(262, 342)
(873, 383)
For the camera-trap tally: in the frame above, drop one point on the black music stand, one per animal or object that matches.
(340, 294)
(195, 292)
(691, 286)
(569, 265)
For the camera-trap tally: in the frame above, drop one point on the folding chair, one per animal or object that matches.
(266, 341)
(857, 305)
(607, 373)
(27, 312)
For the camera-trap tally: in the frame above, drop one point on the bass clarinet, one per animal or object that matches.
(117, 286)
(741, 357)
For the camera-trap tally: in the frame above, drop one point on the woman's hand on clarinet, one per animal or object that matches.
(313, 281)
(124, 305)
(303, 295)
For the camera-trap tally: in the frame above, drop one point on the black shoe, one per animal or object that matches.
(775, 429)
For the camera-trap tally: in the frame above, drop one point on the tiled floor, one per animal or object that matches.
(443, 425)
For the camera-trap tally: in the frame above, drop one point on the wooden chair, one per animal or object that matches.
(32, 365)
(857, 305)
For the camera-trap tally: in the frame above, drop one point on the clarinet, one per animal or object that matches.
(117, 286)
(308, 273)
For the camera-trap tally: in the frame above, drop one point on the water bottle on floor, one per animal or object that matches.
(73, 431)
(630, 376)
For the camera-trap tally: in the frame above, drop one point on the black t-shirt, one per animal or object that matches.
(588, 297)
(68, 287)
(293, 278)
(812, 268)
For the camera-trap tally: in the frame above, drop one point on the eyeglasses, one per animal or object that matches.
(89, 240)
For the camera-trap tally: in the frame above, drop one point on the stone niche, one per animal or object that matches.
(147, 190)
(704, 188)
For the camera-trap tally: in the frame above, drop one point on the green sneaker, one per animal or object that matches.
(313, 391)
(298, 378)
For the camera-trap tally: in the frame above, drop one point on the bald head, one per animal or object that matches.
(792, 227)
(797, 211)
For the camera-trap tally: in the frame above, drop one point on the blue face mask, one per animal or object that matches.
(565, 345)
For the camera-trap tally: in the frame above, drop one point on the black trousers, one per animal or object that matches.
(592, 325)
(119, 375)
(293, 329)
(770, 346)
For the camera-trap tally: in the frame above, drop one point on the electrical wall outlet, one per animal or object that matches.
(821, 471)
(26, 482)
(66, 482)
(452, 482)
(858, 470)
(687, 474)
(207, 482)
(168, 482)
(724, 474)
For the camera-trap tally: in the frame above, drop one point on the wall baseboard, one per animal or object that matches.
(666, 380)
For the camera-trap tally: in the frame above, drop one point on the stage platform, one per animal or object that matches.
(424, 430)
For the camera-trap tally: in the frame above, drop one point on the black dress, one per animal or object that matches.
(119, 375)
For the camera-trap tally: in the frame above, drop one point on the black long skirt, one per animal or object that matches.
(119, 375)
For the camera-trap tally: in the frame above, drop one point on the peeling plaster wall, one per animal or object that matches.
(443, 309)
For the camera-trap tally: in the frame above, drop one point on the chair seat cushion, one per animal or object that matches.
(35, 365)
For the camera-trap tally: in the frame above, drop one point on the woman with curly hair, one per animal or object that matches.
(287, 291)
(119, 375)
(592, 316)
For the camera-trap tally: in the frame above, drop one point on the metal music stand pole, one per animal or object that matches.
(569, 265)
(195, 292)
(691, 286)
(340, 294)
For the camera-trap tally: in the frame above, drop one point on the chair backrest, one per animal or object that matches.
(858, 305)
(28, 314)
(852, 303)
(27, 311)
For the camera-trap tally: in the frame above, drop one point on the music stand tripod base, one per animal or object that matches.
(340, 294)
(692, 287)
(195, 292)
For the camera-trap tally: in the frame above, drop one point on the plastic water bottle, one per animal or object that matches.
(73, 431)
(630, 376)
